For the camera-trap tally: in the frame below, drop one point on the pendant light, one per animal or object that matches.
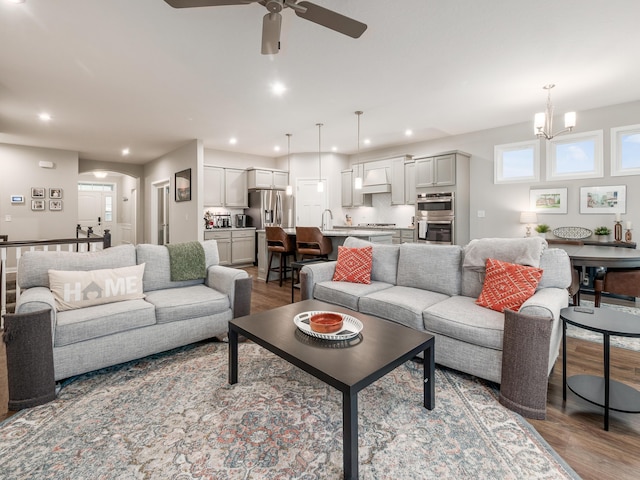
(320, 184)
(289, 190)
(357, 184)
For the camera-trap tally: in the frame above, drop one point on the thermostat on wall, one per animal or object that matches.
(17, 198)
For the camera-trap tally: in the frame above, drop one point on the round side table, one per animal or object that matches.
(604, 392)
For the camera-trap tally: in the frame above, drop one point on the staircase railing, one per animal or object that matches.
(85, 241)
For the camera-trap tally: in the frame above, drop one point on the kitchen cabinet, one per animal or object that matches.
(213, 186)
(346, 178)
(243, 246)
(350, 196)
(268, 179)
(399, 180)
(223, 237)
(225, 187)
(436, 171)
(235, 246)
(410, 183)
(235, 188)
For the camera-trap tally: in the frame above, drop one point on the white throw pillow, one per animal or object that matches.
(77, 289)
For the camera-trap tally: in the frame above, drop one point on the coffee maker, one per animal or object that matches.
(241, 220)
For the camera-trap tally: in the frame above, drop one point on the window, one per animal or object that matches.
(625, 151)
(517, 162)
(575, 156)
(108, 209)
(95, 187)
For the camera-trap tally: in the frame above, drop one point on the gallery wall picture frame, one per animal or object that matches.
(603, 199)
(183, 185)
(38, 192)
(55, 193)
(37, 205)
(55, 205)
(548, 200)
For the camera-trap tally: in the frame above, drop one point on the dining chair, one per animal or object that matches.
(279, 243)
(311, 243)
(618, 281)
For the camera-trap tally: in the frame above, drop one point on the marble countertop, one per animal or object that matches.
(357, 227)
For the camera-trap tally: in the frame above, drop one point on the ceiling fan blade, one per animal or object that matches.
(271, 24)
(206, 3)
(330, 19)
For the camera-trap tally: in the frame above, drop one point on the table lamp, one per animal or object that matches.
(528, 218)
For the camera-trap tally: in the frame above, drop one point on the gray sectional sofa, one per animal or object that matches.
(433, 288)
(171, 314)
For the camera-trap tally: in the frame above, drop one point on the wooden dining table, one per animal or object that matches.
(601, 256)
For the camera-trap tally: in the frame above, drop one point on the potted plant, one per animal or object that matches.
(544, 230)
(602, 233)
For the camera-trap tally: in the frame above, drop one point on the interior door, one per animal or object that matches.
(162, 219)
(96, 209)
(310, 203)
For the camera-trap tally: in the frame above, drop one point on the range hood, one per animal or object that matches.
(376, 180)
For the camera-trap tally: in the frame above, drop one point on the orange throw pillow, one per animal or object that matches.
(507, 285)
(354, 265)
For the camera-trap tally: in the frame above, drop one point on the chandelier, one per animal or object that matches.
(543, 121)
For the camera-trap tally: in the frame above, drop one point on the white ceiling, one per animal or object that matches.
(143, 75)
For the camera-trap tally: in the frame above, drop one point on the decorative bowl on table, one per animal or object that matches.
(326, 322)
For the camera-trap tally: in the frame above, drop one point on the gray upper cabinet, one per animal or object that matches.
(346, 178)
(436, 171)
(267, 179)
(410, 183)
(225, 187)
(213, 186)
(400, 189)
(236, 194)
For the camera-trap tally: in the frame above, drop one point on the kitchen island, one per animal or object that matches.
(337, 238)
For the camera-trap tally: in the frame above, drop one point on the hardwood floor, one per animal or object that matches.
(574, 429)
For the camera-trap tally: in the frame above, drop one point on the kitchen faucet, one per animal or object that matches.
(323, 225)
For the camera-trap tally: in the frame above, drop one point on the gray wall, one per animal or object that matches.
(20, 172)
(185, 218)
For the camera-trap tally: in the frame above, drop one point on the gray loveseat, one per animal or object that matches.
(171, 314)
(433, 288)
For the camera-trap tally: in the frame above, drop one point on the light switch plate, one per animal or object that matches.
(480, 213)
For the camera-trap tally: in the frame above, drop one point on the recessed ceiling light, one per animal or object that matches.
(278, 88)
(45, 117)
(334, 149)
(408, 132)
(367, 141)
(100, 174)
(125, 152)
(276, 148)
(233, 140)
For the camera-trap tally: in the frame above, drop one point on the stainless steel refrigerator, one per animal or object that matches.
(269, 208)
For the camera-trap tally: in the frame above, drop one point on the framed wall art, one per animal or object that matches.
(55, 205)
(603, 199)
(37, 204)
(548, 200)
(183, 185)
(38, 192)
(55, 193)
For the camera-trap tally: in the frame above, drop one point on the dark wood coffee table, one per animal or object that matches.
(380, 347)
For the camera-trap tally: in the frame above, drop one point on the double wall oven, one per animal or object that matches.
(435, 218)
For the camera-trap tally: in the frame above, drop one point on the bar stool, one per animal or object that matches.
(278, 242)
(310, 243)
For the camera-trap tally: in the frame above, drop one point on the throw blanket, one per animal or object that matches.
(523, 251)
(187, 261)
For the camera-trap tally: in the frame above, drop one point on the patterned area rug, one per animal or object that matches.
(174, 416)
(621, 342)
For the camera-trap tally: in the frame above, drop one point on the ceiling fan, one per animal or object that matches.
(273, 20)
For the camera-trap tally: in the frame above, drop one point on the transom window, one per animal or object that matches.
(625, 150)
(517, 162)
(575, 156)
